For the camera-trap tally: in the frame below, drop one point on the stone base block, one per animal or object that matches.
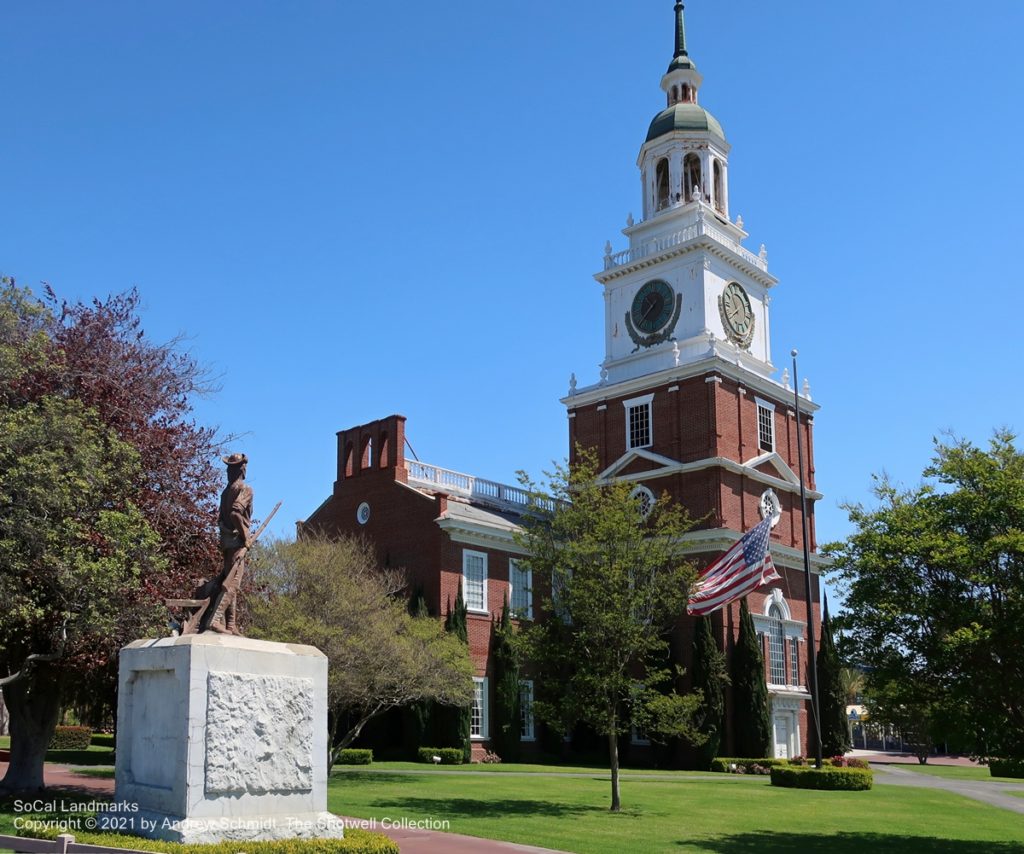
(221, 737)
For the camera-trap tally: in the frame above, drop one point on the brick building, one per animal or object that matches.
(686, 403)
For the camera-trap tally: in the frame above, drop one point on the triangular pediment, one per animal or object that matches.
(772, 464)
(637, 461)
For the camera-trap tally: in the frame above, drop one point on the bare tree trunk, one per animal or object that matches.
(613, 754)
(33, 704)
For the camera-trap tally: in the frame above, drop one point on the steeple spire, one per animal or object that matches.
(680, 31)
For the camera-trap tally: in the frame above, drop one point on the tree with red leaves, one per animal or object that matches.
(107, 495)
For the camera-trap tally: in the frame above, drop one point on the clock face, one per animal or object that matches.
(737, 315)
(652, 306)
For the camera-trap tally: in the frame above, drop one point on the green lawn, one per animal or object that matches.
(727, 815)
(958, 772)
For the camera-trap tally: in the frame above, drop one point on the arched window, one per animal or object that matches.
(661, 183)
(686, 93)
(349, 454)
(382, 450)
(776, 647)
(366, 456)
(691, 177)
(675, 94)
(719, 198)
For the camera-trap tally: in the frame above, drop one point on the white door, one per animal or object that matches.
(782, 736)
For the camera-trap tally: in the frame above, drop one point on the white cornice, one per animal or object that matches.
(711, 365)
(694, 542)
(478, 534)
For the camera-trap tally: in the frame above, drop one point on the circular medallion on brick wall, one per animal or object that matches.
(363, 513)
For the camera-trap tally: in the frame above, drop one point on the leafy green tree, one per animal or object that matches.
(752, 727)
(506, 723)
(710, 676)
(105, 485)
(933, 581)
(835, 731)
(614, 581)
(332, 594)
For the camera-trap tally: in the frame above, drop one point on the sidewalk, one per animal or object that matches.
(894, 757)
(410, 841)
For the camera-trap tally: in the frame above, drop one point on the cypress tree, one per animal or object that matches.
(506, 725)
(751, 719)
(417, 717)
(459, 720)
(835, 735)
(710, 677)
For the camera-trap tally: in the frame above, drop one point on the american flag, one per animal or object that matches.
(745, 567)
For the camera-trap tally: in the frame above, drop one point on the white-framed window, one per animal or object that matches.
(558, 603)
(765, 424)
(776, 647)
(526, 730)
(639, 429)
(521, 582)
(645, 498)
(638, 735)
(474, 580)
(478, 722)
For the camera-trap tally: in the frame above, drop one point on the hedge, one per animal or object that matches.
(102, 739)
(1006, 767)
(722, 763)
(832, 779)
(355, 756)
(449, 755)
(71, 738)
(355, 842)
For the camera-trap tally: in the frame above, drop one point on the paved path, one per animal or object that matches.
(987, 791)
(410, 840)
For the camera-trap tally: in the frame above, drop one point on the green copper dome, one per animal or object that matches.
(684, 117)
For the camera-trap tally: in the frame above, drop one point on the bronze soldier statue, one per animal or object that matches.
(233, 524)
(212, 607)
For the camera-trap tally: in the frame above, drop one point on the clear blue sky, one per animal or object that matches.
(354, 209)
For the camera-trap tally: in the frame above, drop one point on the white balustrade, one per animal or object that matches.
(468, 486)
(692, 232)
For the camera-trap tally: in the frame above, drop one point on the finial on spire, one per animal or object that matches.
(680, 31)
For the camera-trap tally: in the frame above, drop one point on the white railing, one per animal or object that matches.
(692, 232)
(468, 486)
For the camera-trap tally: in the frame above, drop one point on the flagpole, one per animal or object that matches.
(812, 666)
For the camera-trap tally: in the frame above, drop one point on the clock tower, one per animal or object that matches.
(688, 401)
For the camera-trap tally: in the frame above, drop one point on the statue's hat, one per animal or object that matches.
(235, 459)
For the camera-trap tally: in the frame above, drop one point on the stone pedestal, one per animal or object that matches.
(221, 737)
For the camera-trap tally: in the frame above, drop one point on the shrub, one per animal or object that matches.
(355, 756)
(448, 755)
(831, 779)
(102, 739)
(797, 760)
(838, 761)
(723, 763)
(757, 768)
(490, 758)
(1006, 767)
(854, 762)
(355, 842)
(71, 738)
